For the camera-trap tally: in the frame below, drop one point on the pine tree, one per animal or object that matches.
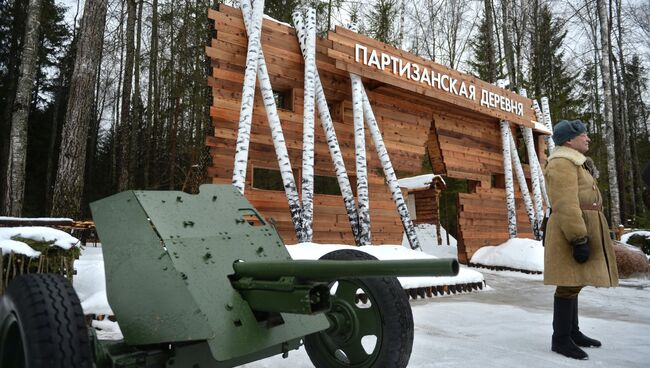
(638, 113)
(483, 63)
(548, 74)
(381, 21)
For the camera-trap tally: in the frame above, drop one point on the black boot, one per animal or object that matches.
(562, 323)
(578, 337)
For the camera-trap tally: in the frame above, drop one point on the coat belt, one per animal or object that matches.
(591, 207)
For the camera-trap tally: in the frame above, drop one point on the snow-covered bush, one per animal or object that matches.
(36, 249)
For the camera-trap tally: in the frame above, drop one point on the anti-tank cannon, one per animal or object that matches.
(204, 281)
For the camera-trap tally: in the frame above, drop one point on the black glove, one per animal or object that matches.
(581, 249)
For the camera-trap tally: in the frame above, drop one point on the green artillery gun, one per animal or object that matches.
(204, 281)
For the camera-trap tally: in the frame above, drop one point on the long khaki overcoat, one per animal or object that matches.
(571, 189)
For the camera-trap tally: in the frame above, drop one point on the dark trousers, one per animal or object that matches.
(568, 292)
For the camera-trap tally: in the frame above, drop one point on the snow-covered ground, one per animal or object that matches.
(508, 324)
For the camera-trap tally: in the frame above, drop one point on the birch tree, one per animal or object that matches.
(69, 184)
(15, 182)
(507, 171)
(615, 217)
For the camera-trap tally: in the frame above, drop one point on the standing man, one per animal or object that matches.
(578, 249)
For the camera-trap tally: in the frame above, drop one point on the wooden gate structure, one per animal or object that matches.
(419, 106)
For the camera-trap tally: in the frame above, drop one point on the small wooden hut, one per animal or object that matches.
(420, 107)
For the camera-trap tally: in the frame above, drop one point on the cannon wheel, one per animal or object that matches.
(377, 333)
(42, 324)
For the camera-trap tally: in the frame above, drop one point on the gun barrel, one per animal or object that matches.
(330, 270)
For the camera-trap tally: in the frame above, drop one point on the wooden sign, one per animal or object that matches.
(439, 112)
(372, 59)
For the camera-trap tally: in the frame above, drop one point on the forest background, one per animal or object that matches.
(102, 96)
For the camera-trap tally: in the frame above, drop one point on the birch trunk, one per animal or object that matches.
(17, 157)
(536, 176)
(389, 173)
(308, 126)
(361, 164)
(69, 184)
(248, 96)
(332, 141)
(507, 172)
(546, 113)
(523, 186)
(279, 142)
(542, 120)
(615, 217)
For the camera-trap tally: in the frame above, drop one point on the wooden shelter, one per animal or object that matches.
(453, 116)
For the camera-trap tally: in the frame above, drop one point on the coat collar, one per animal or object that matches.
(568, 153)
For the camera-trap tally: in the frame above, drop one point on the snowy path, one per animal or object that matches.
(510, 326)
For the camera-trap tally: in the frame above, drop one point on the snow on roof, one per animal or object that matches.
(542, 128)
(419, 182)
(60, 238)
(277, 21)
(517, 253)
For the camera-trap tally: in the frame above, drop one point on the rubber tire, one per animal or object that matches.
(42, 324)
(389, 297)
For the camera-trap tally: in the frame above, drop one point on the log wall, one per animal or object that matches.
(461, 144)
(426, 206)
